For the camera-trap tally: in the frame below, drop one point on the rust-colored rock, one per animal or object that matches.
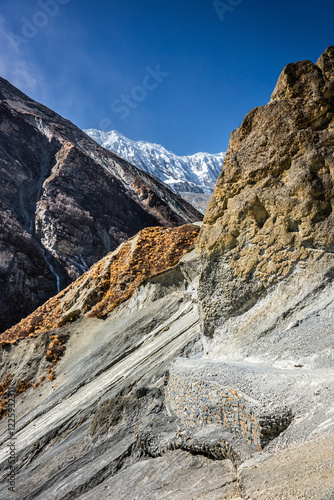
(108, 283)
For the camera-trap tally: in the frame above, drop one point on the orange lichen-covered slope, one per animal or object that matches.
(111, 281)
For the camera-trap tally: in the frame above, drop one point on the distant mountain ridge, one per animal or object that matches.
(196, 173)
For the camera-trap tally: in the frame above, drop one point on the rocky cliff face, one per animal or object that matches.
(266, 290)
(271, 214)
(25, 277)
(65, 202)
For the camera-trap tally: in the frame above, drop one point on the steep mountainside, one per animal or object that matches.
(65, 202)
(89, 390)
(111, 281)
(195, 174)
(198, 200)
(129, 386)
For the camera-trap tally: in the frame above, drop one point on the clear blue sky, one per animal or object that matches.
(83, 58)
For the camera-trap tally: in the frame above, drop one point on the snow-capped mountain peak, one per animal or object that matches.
(195, 173)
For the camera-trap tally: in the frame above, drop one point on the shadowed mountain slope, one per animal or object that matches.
(65, 202)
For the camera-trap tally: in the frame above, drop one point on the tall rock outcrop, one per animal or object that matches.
(65, 202)
(271, 214)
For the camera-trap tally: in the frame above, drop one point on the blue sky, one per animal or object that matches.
(179, 73)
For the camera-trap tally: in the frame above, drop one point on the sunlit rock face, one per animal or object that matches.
(65, 203)
(270, 216)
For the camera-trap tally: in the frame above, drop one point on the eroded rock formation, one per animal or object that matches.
(92, 387)
(266, 290)
(271, 211)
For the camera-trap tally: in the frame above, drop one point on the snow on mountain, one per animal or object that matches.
(196, 173)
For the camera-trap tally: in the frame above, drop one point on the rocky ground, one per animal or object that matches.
(84, 415)
(106, 426)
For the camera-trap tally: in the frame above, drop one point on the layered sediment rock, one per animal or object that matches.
(66, 202)
(88, 387)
